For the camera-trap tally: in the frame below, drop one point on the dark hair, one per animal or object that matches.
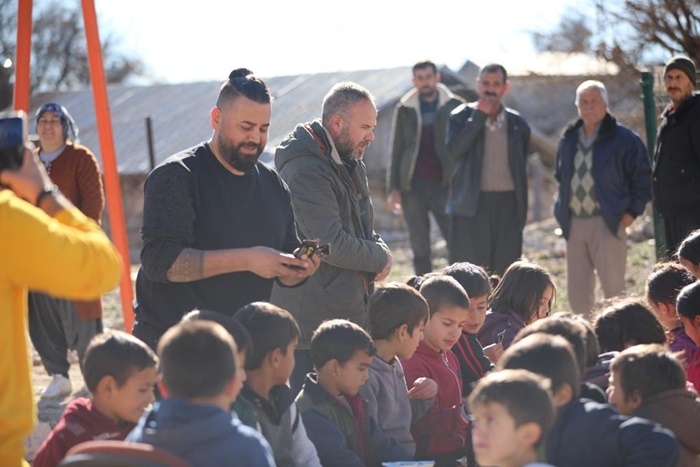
(473, 279)
(270, 328)
(234, 327)
(574, 333)
(688, 302)
(242, 82)
(647, 370)
(625, 323)
(690, 247)
(394, 305)
(423, 64)
(525, 395)
(117, 354)
(547, 355)
(416, 281)
(197, 359)
(341, 98)
(494, 68)
(441, 291)
(339, 339)
(592, 347)
(521, 288)
(666, 281)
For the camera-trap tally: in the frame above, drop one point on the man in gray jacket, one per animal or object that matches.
(321, 162)
(488, 194)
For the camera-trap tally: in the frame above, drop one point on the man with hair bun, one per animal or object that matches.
(218, 225)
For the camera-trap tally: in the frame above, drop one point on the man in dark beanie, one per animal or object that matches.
(676, 172)
(57, 325)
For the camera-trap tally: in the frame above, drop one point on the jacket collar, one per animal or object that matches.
(607, 126)
(281, 398)
(694, 99)
(411, 98)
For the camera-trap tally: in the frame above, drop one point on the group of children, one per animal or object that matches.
(434, 377)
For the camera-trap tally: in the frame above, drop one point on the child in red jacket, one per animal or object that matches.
(441, 434)
(120, 373)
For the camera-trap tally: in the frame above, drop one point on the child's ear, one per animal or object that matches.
(530, 433)
(107, 386)
(333, 366)
(162, 388)
(696, 321)
(635, 399)
(402, 332)
(275, 357)
(563, 395)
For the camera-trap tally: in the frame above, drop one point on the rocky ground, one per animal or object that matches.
(541, 245)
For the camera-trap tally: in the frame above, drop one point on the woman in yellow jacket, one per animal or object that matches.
(45, 244)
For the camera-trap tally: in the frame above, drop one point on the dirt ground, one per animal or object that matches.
(541, 245)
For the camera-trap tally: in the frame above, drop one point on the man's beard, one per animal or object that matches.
(344, 146)
(240, 162)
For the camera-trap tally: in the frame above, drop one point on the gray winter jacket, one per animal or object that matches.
(332, 204)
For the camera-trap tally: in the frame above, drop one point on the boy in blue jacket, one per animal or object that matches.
(336, 418)
(202, 376)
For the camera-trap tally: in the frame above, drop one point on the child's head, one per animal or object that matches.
(689, 253)
(688, 307)
(640, 372)
(573, 331)
(275, 334)
(549, 356)
(449, 311)
(627, 323)
(120, 372)
(527, 290)
(240, 334)
(342, 353)
(476, 283)
(592, 347)
(663, 285)
(398, 313)
(512, 412)
(199, 361)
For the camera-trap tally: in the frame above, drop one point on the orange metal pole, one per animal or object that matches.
(23, 55)
(104, 127)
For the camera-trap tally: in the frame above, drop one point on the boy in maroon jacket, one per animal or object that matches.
(120, 372)
(441, 434)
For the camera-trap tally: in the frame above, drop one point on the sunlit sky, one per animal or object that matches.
(204, 40)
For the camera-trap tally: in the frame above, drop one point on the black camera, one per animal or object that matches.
(13, 135)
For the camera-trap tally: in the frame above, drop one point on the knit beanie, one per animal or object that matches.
(683, 63)
(67, 122)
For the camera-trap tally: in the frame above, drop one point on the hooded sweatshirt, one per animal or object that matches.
(202, 435)
(79, 422)
(496, 322)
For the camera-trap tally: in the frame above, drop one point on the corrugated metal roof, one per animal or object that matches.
(180, 112)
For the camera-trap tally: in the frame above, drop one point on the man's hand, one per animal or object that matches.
(381, 275)
(270, 263)
(309, 267)
(488, 104)
(393, 201)
(423, 388)
(627, 220)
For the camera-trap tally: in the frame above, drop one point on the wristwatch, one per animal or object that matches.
(51, 190)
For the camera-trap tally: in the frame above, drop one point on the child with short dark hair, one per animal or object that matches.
(626, 323)
(240, 334)
(663, 286)
(441, 433)
(688, 307)
(586, 433)
(265, 394)
(335, 417)
(202, 376)
(397, 314)
(648, 381)
(525, 293)
(689, 253)
(474, 360)
(512, 412)
(120, 373)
